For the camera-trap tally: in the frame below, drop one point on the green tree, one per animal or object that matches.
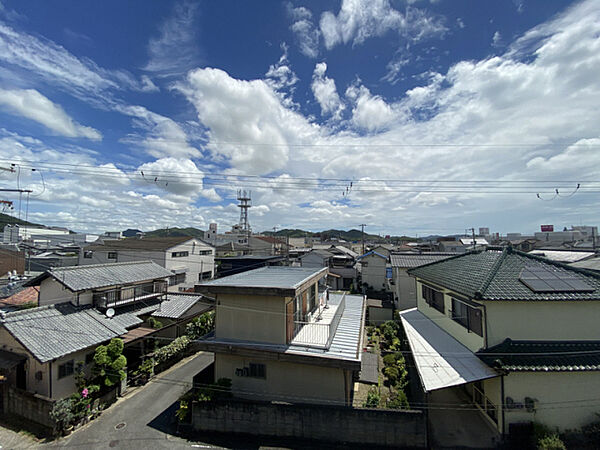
(201, 325)
(110, 363)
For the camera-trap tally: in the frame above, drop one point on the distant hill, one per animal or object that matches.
(5, 219)
(350, 235)
(176, 232)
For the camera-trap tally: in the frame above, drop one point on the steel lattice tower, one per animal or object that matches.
(244, 197)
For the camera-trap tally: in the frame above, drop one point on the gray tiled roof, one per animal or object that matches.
(146, 243)
(267, 277)
(177, 305)
(544, 356)
(417, 259)
(494, 275)
(80, 278)
(53, 331)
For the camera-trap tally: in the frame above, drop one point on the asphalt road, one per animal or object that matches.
(144, 419)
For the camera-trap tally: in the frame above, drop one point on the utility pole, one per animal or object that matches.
(473, 234)
(362, 228)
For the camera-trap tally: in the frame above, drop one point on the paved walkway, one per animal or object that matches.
(145, 418)
(14, 440)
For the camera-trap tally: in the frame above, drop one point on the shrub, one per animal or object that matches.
(201, 325)
(398, 400)
(390, 359)
(215, 391)
(174, 348)
(392, 374)
(154, 323)
(373, 398)
(62, 413)
(551, 442)
(109, 363)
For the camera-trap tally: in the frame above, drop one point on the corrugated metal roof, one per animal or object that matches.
(441, 360)
(177, 305)
(590, 264)
(544, 356)
(267, 277)
(562, 255)
(494, 275)
(53, 331)
(412, 259)
(81, 278)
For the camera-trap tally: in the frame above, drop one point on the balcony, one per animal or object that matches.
(130, 294)
(320, 327)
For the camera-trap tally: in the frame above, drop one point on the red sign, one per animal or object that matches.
(547, 228)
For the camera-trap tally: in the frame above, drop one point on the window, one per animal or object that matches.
(433, 298)
(177, 279)
(467, 316)
(257, 370)
(180, 254)
(88, 254)
(112, 255)
(205, 252)
(205, 276)
(89, 358)
(66, 369)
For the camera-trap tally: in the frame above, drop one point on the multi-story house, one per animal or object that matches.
(517, 334)
(373, 271)
(189, 259)
(405, 286)
(341, 266)
(278, 330)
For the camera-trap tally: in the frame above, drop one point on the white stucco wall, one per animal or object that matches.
(405, 289)
(51, 291)
(374, 273)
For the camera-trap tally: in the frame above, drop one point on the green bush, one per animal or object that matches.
(154, 323)
(215, 391)
(390, 359)
(62, 413)
(392, 374)
(201, 325)
(373, 398)
(109, 363)
(174, 348)
(398, 400)
(551, 442)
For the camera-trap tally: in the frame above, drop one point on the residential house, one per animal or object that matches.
(404, 285)
(517, 334)
(42, 345)
(373, 271)
(189, 259)
(230, 248)
(281, 336)
(452, 247)
(341, 266)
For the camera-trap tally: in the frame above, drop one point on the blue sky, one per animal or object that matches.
(440, 115)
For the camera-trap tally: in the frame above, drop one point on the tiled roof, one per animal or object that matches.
(590, 264)
(267, 277)
(80, 278)
(27, 295)
(494, 275)
(546, 356)
(53, 331)
(155, 244)
(417, 259)
(177, 305)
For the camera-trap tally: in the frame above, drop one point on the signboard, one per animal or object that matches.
(547, 228)
(388, 273)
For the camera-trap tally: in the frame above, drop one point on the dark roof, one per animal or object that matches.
(80, 278)
(412, 259)
(154, 244)
(270, 279)
(494, 274)
(546, 356)
(50, 332)
(177, 305)
(372, 253)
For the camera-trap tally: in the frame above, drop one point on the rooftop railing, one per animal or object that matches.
(320, 330)
(130, 294)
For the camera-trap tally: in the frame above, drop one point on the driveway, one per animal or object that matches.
(144, 419)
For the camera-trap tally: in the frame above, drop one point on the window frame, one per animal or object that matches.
(470, 317)
(433, 298)
(181, 254)
(111, 255)
(257, 370)
(66, 369)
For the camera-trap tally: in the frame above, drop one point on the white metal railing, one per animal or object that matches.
(317, 334)
(485, 404)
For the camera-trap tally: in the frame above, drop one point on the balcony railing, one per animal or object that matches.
(320, 330)
(130, 294)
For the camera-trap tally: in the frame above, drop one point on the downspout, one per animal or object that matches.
(50, 380)
(427, 427)
(485, 338)
(502, 403)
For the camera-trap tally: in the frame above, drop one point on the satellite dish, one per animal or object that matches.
(110, 313)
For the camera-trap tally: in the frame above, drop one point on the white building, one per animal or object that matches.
(189, 259)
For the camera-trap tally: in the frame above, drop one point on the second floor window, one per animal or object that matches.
(88, 254)
(205, 252)
(112, 255)
(467, 316)
(179, 254)
(433, 298)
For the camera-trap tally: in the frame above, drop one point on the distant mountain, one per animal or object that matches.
(350, 235)
(5, 219)
(176, 232)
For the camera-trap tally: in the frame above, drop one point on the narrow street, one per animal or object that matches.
(145, 418)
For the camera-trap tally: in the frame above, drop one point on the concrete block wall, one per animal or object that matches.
(324, 423)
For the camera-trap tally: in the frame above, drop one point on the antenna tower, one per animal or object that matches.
(244, 197)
